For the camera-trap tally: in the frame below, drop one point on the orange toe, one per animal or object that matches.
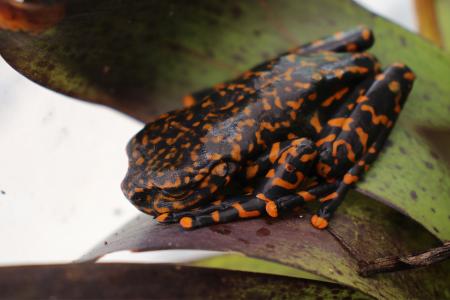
(318, 222)
(186, 222)
(162, 217)
(272, 209)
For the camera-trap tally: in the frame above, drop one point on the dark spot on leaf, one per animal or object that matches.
(413, 195)
(434, 155)
(237, 57)
(429, 165)
(402, 150)
(244, 241)
(433, 210)
(388, 143)
(257, 32)
(435, 229)
(398, 167)
(221, 229)
(263, 231)
(402, 41)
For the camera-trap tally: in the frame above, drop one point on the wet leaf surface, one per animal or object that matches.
(142, 57)
(361, 231)
(139, 281)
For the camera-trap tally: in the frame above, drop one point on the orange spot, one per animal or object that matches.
(308, 157)
(295, 104)
(316, 123)
(236, 152)
(140, 161)
(328, 138)
(318, 222)
(252, 171)
(291, 136)
(394, 86)
(329, 197)
(352, 47)
(363, 137)
(312, 97)
(372, 150)
(272, 209)
(263, 198)
(243, 213)
(302, 85)
(188, 101)
(162, 217)
(186, 222)
(409, 76)
(350, 179)
(337, 96)
(366, 34)
(362, 99)
(227, 106)
(376, 119)
(274, 152)
(278, 103)
(270, 173)
(215, 216)
(307, 196)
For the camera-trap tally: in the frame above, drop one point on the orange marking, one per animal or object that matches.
(352, 47)
(397, 107)
(381, 119)
(243, 213)
(270, 173)
(306, 196)
(227, 106)
(263, 198)
(215, 216)
(337, 96)
(308, 157)
(188, 101)
(329, 197)
(409, 76)
(287, 185)
(302, 85)
(278, 103)
(186, 222)
(316, 123)
(318, 222)
(350, 179)
(291, 136)
(363, 137)
(362, 99)
(140, 161)
(312, 97)
(366, 34)
(394, 86)
(162, 217)
(274, 152)
(236, 152)
(295, 104)
(252, 171)
(328, 138)
(272, 209)
(372, 150)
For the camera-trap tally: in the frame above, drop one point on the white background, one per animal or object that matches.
(61, 167)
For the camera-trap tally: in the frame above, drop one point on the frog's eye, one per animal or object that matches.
(175, 194)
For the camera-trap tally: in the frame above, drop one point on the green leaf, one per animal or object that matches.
(142, 57)
(157, 281)
(443, 20)
(361, 231)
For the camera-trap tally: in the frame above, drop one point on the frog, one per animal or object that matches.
(304, 126)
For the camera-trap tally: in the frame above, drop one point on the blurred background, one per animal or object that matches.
(59, 185)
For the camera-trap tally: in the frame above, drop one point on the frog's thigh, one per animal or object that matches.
(241, 208)
(382, 104)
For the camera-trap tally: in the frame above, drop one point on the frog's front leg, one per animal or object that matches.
(362, 136)
(290, 161)
(354, 40)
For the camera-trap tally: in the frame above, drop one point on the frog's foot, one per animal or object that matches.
(289, 202)
(243, 208)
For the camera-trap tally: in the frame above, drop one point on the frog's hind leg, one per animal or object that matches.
(243, 207)
(367, 129)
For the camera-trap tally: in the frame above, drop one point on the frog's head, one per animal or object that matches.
(170, 168)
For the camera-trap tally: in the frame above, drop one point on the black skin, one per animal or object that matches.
(304, 126)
